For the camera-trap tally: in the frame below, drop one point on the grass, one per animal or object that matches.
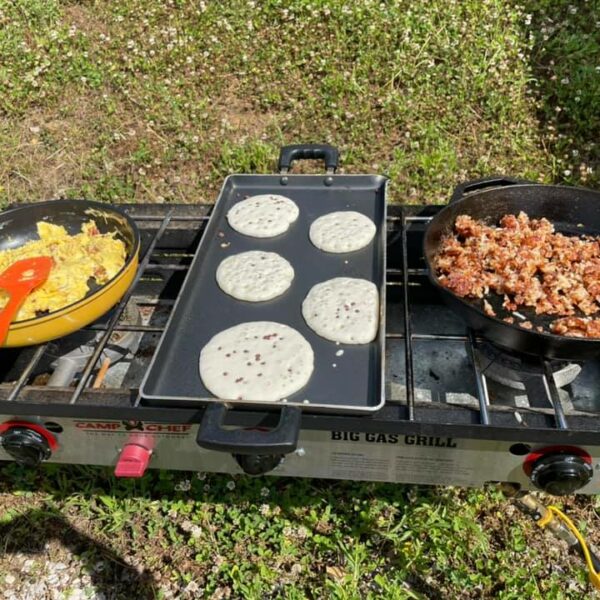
(147, 101)
(213, 536)
(156, 101)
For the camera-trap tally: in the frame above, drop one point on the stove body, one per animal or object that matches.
(458, 410)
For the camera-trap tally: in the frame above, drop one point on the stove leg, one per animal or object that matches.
(258, 464)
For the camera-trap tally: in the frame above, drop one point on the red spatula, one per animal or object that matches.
(19, 280)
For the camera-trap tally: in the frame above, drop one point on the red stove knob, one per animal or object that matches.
(28, 443)
(133, 460)
(559, 470)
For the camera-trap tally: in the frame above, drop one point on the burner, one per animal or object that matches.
(70, 355)
(513, 370)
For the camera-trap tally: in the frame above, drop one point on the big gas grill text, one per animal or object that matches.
(393, 438)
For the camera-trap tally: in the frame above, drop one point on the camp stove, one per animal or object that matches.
(458, 410)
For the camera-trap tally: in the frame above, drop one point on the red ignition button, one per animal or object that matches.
(133, 461)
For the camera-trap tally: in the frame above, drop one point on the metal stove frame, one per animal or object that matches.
(176, 229)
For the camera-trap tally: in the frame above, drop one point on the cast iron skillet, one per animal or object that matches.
(572, 211)
(18, 226)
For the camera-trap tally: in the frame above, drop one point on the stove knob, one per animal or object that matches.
(561, 474)
(26, 446)
(258, 464)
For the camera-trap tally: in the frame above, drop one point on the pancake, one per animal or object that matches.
(259, 361)
(263, 216)
(255, 276)
(342, 231)
(343, 309)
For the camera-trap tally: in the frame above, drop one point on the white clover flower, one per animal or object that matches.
(230, 485)
(201, 475)
(196, 531)
(183, 486)
(264, 492)
(567, 172)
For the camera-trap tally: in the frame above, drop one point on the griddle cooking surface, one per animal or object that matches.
(355, 384)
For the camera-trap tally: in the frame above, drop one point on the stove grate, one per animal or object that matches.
(183, 225)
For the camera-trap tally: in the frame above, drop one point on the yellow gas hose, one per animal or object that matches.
(552, 512)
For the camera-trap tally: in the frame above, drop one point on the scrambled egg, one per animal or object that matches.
(77, 259)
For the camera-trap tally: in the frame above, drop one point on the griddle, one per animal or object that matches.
(356, 383)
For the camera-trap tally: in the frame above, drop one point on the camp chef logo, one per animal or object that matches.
(162, 428)
(393, 438)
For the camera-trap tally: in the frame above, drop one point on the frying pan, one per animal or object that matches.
(18, 226)
(572, 211)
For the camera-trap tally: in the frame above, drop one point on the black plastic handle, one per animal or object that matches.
(282, 439)
(477, 185)
(288, 154)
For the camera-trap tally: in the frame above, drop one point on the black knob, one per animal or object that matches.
(561, 474)
(26, 446)
(258, 464)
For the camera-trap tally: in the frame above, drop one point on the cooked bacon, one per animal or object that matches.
(488, 309)
(576, 327)
(526, 324)
(529, 264)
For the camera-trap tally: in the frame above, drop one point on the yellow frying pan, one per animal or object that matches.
(18, 226)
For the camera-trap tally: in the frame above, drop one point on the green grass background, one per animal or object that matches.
(157, 101)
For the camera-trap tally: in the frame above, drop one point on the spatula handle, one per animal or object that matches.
(10, 310)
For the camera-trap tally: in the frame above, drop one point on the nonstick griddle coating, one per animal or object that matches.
(203, 309)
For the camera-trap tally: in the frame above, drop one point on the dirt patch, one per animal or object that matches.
(84, 19)
(48, 151)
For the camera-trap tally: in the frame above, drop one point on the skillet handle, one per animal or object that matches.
(282, 439)
(476, 185)
(288, 154)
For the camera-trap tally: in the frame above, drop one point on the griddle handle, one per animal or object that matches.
(282, 439)
(477, 185)
(288, 154)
